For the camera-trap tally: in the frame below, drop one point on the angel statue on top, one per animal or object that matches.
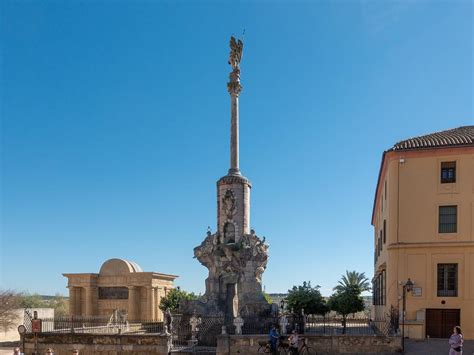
(235, 55)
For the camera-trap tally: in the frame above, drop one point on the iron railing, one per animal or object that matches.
(98, 325)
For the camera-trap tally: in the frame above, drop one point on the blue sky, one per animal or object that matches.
(115, 127)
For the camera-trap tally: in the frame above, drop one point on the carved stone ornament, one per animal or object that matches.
(229, 204)
(236, 49)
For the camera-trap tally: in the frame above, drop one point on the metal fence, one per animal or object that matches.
(97, 325)
(320, 325)
(203, 340)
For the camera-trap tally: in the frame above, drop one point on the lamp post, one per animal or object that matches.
(407, 287)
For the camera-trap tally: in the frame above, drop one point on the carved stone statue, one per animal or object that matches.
(235, 56)
(229, 203)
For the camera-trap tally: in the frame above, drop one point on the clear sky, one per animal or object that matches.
(115, 127)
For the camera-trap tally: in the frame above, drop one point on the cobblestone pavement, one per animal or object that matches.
(435, 347)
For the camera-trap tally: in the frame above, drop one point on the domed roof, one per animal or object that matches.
(119, 267)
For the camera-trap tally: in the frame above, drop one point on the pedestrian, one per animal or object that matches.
(293, 340)
(455, 341)
(273, 339)
(49, 351)
(16, 351)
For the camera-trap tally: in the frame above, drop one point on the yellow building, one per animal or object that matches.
(120, 286)
(423, 218)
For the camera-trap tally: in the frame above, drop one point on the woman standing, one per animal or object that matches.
(455, 341)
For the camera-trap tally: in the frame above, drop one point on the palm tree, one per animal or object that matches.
(353, 278)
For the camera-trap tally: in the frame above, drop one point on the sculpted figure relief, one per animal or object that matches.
(229, 204)
(235, 56)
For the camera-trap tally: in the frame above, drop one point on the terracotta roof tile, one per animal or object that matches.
(460, 136)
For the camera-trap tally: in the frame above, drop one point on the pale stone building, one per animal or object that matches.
(121, 286)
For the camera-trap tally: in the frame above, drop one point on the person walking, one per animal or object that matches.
(455, 341)
(273, 339)
(293, 340)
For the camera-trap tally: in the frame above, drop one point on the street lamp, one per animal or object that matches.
(407, 287)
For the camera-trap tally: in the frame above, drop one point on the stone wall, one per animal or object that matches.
(11, 333)
(249, 344)
(64, 344)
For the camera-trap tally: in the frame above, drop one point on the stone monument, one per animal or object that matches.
(235, 256)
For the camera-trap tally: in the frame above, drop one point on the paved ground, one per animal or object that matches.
(435, 347)
(427, 347)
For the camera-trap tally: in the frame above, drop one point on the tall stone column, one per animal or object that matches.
(89, 295)
(132, 303)
(157, 301)
(72, 301)
(234, 88)
(151, 302)
(144, 303)
(78, 306)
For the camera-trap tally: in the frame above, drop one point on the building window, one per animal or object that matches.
(384, 231)
(448, 218)
(378, 289)
(448, 172)
(447, 280)
(384, 288)
(380, 242)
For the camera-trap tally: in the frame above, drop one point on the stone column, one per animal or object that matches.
(78, 307)
(157, 304)
(144, 303)
(132, 303)
(151, 302)
(72, 301)
(90, 294)
(234, 88)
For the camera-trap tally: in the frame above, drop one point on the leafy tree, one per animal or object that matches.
(173, 298)
(9, 303)
(60, 305)
(32, 301)
(346, 302)
(267, 298)
(353, 278)
(308, 298)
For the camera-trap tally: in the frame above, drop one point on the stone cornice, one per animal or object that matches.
(446, 244)
(233, 179)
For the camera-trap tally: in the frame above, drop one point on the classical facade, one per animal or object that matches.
(423, 218)
(121, 286)
(235, 256)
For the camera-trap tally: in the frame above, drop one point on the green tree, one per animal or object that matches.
(173, 298)
(308, 298)
(267, 298)
(346, 302)
(27, 300)
(353, 278)
(60, 305)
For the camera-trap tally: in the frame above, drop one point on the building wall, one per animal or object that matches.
(413, 248)
(11, 334)
(145, 291)
(64, 344)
